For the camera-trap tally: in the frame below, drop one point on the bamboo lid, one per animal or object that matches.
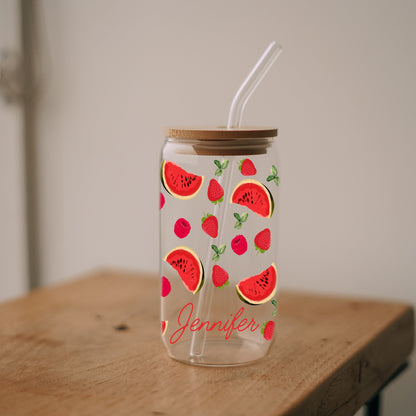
(219, 133)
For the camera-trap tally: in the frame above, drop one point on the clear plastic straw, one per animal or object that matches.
(234, 121)
(205, 297)
(250, 84)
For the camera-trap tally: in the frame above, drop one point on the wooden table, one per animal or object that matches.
(92, 347)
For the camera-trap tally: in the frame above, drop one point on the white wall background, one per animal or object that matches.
(13, 256)
(342, 94)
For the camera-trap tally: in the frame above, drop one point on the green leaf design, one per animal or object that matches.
(225, 285)
(244, 217)
(273, 170)
(238, 225)
(241, 164)
(237, 216)
(217, 163)
(274, 303)
(224, 164)
(205, 216)
(221, 199)
(218, 172)
(277, 180)
(215, 248)
(270, 178)
(259, 250)
(215, 257)
(222, 248)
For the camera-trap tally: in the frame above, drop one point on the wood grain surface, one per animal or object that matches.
(219, 133)
(93, 347)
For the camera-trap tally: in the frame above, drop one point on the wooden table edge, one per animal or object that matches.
(360, 362)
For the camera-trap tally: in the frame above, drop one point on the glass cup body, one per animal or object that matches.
(216, 234)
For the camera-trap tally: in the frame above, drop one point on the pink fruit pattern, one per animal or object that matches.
(210, 225)
(247, 167)
(219, 277)
(262, 240)
(239, 244)
(268, 330)
(166, 287)
(215, 192)
(182, 228)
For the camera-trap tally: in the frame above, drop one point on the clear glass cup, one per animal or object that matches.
(218, 242)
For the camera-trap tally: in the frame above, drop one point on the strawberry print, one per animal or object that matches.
(247, 167)
(267, 330)
(219, 277)
(210, 225)
(182, 228)
(239, 245)
(262, 240)
(215, 192)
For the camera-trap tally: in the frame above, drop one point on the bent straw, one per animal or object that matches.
(234, 121)
(250, 84)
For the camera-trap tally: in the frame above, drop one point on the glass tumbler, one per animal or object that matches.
(218, 244)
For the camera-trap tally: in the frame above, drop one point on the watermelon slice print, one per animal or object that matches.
(178, 182)
(164, 327)
(260, 288)
(186, 262)
(255, 196)
(166, 287)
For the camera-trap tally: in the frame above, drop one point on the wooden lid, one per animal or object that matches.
(219, 133)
